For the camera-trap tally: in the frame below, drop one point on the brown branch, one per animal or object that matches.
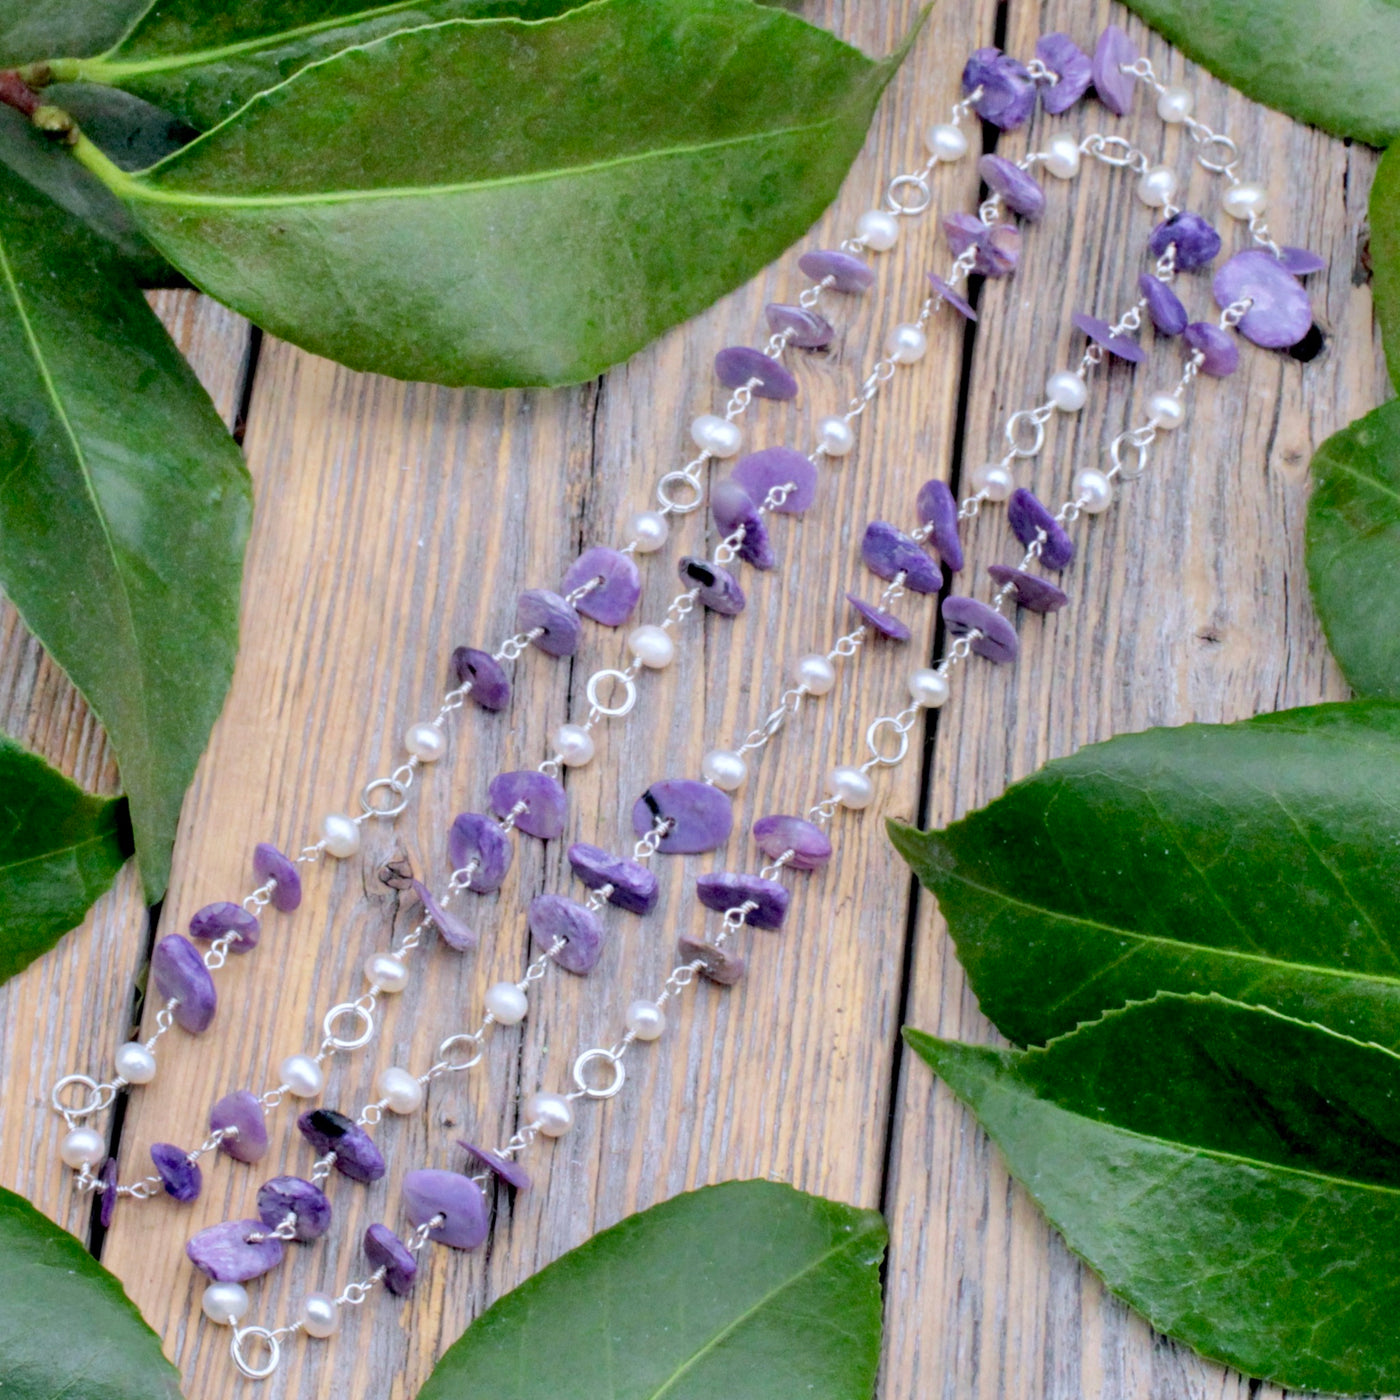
(16, 93)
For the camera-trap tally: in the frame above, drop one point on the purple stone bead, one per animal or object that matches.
(545, 803)
(506, 1169)
(998, 245)
(1028, 518)
(760, 472)
(732, 507)
(455, 931)
(963, 231)
(888, 552)
(430, 1192)
(1029, 590)
(1300, 261)
(1020, 191)
(243, 1112)
(385, 1250)
(809, 844)
(292, 1195)
(1221, 352)
(634, 887)
(885, 623)
(1196, 241)
(1281, 315)
(108, 1178)
(938, 507)
(538, 607)
(270, 864)
(1102, 333)
(475, 839)
(612, 601)
(805, 329)
(742, 364)
(952, 296)
(356, 1156)
(1075, 70)
(848, 273)
(1112, 53)
(181, 1178)
(490, 688)
(722, 890)
(226, 1254)
(1008, 91)
(996, 637)
(178, 971)
(719, 589)
(553, 917)
(215, 920)
(718, 964)
(1163, 305)
(701, 816)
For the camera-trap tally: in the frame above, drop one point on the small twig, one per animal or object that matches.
(16, 93)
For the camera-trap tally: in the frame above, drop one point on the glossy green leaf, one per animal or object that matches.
(31, 30)
(67, 1330)
(60, 848)
(744, 1291)
(1334, 64)
(124, 507)
(657, 154)
(1232, 1173)
(1258, 860)
(1384, 211)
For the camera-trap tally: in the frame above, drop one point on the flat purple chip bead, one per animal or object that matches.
(490, 687)
(356, 1156)
(1300, 261)
(997, 637)
(722, 890)
(1281, 314)
(732, 507)
(215, 920)
(181, 1178)
(1114, 87)
(243, 1112)
(270, 864)
(718, 589)
(293, 1195)
(885, 623)
(1029, 590)
(475, 839)
(1163, 305)
(431, 1192)
(178, 971)
(226, 1254)
(737, 365)
(634, 887)
(938, 508)
(998, 246)
(719, 965)
(546, 806)
(612, 601)
(848, 273)
(555, 616)
(809, 844)
(1070, 64)
(808, 330)
(952, 296)
(1218, 347)
(553, 917)
(1103, 334)
(1196, 240)
(455, 931)
(888, 552)
(1028, 518)
(505, 1169)
(385, 1250)
(1020, 192)
(108, 1205)
(1008, 91)
(701, 816)
(760, 472)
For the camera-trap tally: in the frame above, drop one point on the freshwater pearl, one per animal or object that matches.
(878, 230)
(1175, 105)
(135, 1063)
(1066, 390)
(651, 645)
(1166, 411)
(507, 1003)
(850, 787)
(906, 344)
(1156, 186)
(715, 435)
(553, 1112)
(341, 835)
(646, 1020)
(1093, 490)
(222, 1301)
(1245, 199)
(574, 745)
(302, 1076)
(816, 673)
(928, 688)
(995, 479)
(945, 141)
(649, 528)
(724, 769)
(400, 1090)
(426, 742)
(82, 1145)
(386, 972)
(319, 1315)
(1062, 156)
(835, 436)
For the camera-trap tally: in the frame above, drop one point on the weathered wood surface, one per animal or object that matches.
(396, 521)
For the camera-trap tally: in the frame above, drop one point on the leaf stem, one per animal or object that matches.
(16, 93)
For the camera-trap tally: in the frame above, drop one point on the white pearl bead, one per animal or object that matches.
(945, 141)
(302, 1076)
(816, 673)
(646, 1020)
(995, 479)
(651, 645)
(650, 530)
(426, 742)
(319, 1315)
(1166, 411)
(1244, 199)
(507, 1003)
(928, 688)
(715, 435)
(1175, 105)
(1093, 490)
(878, 230)
(341, 835)
(1062, 156)
(836, 436)
(400, 1090)
(222, 1301)
(850, 787)
(574, 745)
(83, 1145)
(724, 769)
(1156, 186)
(386, 972)
(906, 344)
(1066, 390)
(553, 1112)
(135, 1063)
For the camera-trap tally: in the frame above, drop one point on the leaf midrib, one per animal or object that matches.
(98, 838)
(1374, 482)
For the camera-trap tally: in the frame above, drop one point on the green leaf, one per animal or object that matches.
(60, 848)
(124, 507)
(66, 1327)
(1384, 212)
(1353, 549)
(658, 153)
(1336, 65)
(1232, 1173)
(743, 1291)
(1258, 860)
(31, 30)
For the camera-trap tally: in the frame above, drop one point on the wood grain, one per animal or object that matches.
(396, 521)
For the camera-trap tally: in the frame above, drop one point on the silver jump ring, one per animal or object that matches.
(1139, 461)
(872, 741)
(612, 711)
(665, 493)
(97, 1099)
(1013, 432)
(1217, 167)
(923, 196)
(452, 1042)
(393, 785)
(605, 1091)
(353, 1042)
(274, 1352)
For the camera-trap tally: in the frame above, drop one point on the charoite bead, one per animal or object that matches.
(1196, 240)
(553, 917)
(226, 1254)
(243, 1112)
(1029, 590)
(722, 890)
(356, 1156)
(848, 273)
(701, 816)
(456, 933)
(633, 886)
(995, 637)
(998, 246)
(1281, 314)
(888, 552)
(733, 507)
(806, 329)
(1300, 261)
(295, 1196)
(181, 1178)
(108, 1199)
(1071, 65)
(736, 365)
(612, 601)
(215, 920)
(1219, 350)
(1112, 86)
(885, 623)
(1163, 305)
(385, 1250)
(270, 864)
(490, 686)
(475, 839)
(952, 296)
(1103, 334)
(938, 508)
(1019, 191)
(504, 1168)
(1028, 519)
(760, 472)
(178, 970)
(430, 1193)
(718, 589)
(546, 806)
(809, 844)
(557, 619)
(1008, 91)
(718, 964)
